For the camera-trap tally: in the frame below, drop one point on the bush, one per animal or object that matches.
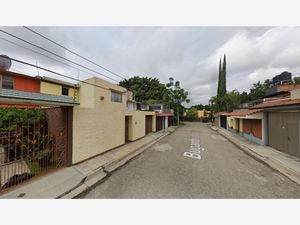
(11, 116)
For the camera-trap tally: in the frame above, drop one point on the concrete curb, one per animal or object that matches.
(105, 171)
(274, 164)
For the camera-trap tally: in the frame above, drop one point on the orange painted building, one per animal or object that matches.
(22, 82)
(27, 84)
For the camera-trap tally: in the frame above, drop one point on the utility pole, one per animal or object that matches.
(178, 113)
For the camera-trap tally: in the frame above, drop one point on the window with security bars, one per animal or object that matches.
(65, 91)
(6, 82)
(116, 96)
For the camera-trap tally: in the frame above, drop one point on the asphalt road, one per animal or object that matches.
(224, 171)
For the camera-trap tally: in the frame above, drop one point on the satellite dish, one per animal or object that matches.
(5, 62)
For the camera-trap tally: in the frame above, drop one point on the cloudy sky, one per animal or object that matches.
(189, 54)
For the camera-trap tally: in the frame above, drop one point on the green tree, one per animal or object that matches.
(191, 114)
(174, 95)
(244, 97)
(219, 77)
(231, 100)
(228, 102)
(222, 78)
(201, 107)
(258, 90)
(145, 89)
(296, 80)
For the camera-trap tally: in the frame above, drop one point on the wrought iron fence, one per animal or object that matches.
(31, 148)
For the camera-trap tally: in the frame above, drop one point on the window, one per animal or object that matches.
(7, 82)
(65, 91)
(155, 107)
(116, 96)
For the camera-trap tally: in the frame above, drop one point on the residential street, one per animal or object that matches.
(224, 171)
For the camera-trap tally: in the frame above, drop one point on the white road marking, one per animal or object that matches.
(192, 155)
(195, 148)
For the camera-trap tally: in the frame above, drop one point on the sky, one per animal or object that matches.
(189, 54)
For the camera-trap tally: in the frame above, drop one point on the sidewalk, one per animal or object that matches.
(72, 181)
(286, 164)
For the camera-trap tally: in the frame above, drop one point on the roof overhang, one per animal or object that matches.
(8, 96)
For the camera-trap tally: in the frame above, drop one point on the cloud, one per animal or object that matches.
(189, 54)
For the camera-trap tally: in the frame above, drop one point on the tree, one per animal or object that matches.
(191, 114)
(219, 77)
(227, 102)
(244, 97)
(201, 107)
(258, 90)
(218, 101)
(296, 80)
(232, 100)
(223, 85)
(174, 95)
(222, 78)
(145, 89)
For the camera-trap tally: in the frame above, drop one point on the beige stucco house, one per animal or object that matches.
(104, 119)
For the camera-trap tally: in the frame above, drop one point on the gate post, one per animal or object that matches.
(69, 135)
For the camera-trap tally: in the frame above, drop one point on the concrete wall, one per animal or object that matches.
(229, 122)
(252, 138)
(241, 126)
(54, 89)
(137, 124)
(98, 125)
(295, 94)
(235, 124)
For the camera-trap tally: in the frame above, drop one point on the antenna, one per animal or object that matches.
(5, 62)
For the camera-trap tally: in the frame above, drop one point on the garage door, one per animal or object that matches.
(284, 132)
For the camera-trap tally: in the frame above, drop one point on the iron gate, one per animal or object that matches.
(33, 145)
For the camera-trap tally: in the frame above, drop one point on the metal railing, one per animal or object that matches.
(27, 149)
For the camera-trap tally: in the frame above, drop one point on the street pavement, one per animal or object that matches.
(220, 170)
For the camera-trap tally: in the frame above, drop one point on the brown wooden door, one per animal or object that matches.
(126, 128)
(292, 133)
(148, 125)
(275, 132)
(284, 132)
(159, 124)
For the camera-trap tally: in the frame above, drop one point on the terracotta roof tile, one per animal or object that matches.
(274, 103)
(245, 112)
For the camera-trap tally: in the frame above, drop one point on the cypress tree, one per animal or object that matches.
(219, 78)
(224, 75)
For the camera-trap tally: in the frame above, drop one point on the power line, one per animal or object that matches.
(59, 74)
(12, 35)
(29, 49)
(54, 42)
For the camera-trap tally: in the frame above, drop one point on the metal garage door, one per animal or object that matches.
(284, 132)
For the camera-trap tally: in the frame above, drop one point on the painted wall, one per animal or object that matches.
(136, 126)
(27, 84)
(54, 89)
(203, 113)
(229, 122)
(253, 126)
(235, 123)
(241, 125)
(98, 125)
